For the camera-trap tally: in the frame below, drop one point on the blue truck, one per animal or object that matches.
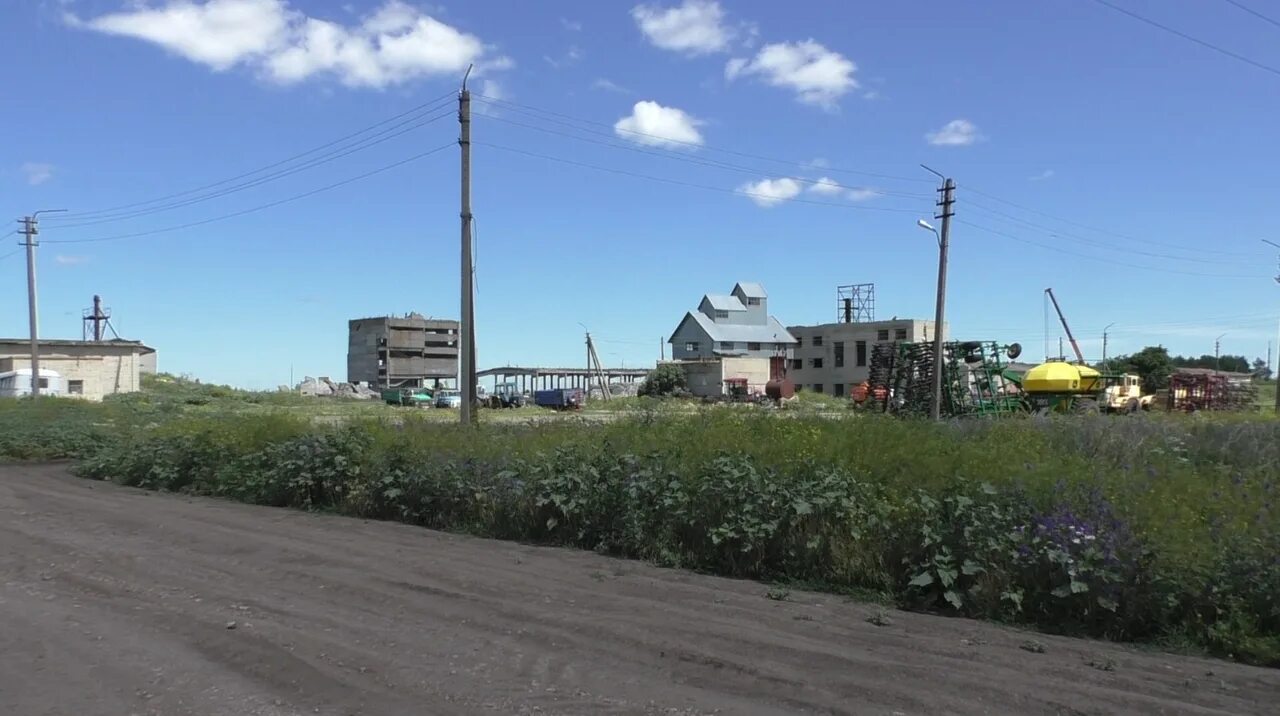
(559, 398)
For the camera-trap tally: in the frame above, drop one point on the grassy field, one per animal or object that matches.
(1159, 528)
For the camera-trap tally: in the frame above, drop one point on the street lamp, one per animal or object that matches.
(940, 308)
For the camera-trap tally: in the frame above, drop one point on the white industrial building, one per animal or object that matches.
(78, 369)
(832, 357)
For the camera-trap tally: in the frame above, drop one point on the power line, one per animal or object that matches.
(323, 159)
(527, 109)
(11, 253)
(677, 182)
(1095, 257)
(425, 107)
(1185, 36)
(1253, 12)
(1107, 232)
(713, 163)
(252, 210)
(1109, 247)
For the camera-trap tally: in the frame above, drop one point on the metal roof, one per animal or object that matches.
(771, 332)
(751, 290)
(724, 303)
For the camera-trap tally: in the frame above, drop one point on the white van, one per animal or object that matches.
(17, 383)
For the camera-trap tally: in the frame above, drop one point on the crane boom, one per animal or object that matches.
(1074, 346)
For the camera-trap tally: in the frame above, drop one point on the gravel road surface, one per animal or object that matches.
(120, 602)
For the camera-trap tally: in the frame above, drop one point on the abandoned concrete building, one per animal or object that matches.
(410, 351)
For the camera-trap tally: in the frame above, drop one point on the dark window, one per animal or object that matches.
(817, 387)
(861, 348)
(882, 334)
(839, 346)
(753, 346)
(728, 346)
(900, 334)
(797, 364)
(837, 389)
(753, 302)
(44, 383)
(817, 362)
(722, 314)
(817, 340)
(75, 387)
(691, 346)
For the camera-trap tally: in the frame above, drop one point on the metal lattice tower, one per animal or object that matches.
(856, 303)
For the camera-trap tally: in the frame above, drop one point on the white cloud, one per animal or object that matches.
(572, 55)
(956, 133)
(770, 192)
(695, 27)
(65, 260)
(818, 163)
(1046, 174)
(570, 25)
(609, 86)
(818, 76)
(863, 193)
(871, 94)
(651, 123)
(826, 186)
(395, 44)
(37, 173)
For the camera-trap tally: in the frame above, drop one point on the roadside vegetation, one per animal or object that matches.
(1159, 529)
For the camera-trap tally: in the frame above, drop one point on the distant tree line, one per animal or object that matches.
(1154, 365)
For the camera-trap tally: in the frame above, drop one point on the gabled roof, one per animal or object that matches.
(724, 303)
(750, 289)
(771, 332)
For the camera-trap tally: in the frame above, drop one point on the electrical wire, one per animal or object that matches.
(1109, 247)
(348, 150)
(426, 107)
(677, 182)
(1107, 232)
(713, 163)
(1253, 12)
(11, 253)
(255, 209)
(528, 109)
(1189, 38)
(1095, 257)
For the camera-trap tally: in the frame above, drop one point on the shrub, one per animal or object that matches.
(666, 379)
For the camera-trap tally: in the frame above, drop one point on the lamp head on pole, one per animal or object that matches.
(926, 225)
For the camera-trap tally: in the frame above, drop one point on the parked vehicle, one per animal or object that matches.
(417, 397)
(506, 395)
(17, 383)
(449, 399)
(1125, 396)
(559, 398)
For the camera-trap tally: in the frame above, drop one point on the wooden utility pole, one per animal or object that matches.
(466, 339)
(944, 244)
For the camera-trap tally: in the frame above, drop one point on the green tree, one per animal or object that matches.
(1152, 364)
(666, 379)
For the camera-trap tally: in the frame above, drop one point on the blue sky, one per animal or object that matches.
(1160, 153)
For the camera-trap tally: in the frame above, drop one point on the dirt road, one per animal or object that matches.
(118, 602)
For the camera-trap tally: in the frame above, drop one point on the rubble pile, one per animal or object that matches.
(323, 386)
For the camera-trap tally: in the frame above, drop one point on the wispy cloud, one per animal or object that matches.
(570, 25)
(771, 192)
(1046, 174)
(826, 187)
(817, 75)
(609, 86)
(37, 173)
(70, 260)
(395, 44)
(956, 133)
(864, 193)
(571, 56)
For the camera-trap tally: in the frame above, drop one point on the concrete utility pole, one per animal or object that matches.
(31, 229)
(1104, 345)
(1276, 375)
(1217, 353)
(944, 244)
(466, 340)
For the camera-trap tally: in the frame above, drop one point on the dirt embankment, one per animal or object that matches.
(115, 601)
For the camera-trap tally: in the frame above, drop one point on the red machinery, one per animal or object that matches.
(779, 387)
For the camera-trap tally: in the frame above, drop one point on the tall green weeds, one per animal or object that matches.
(1143, 528)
